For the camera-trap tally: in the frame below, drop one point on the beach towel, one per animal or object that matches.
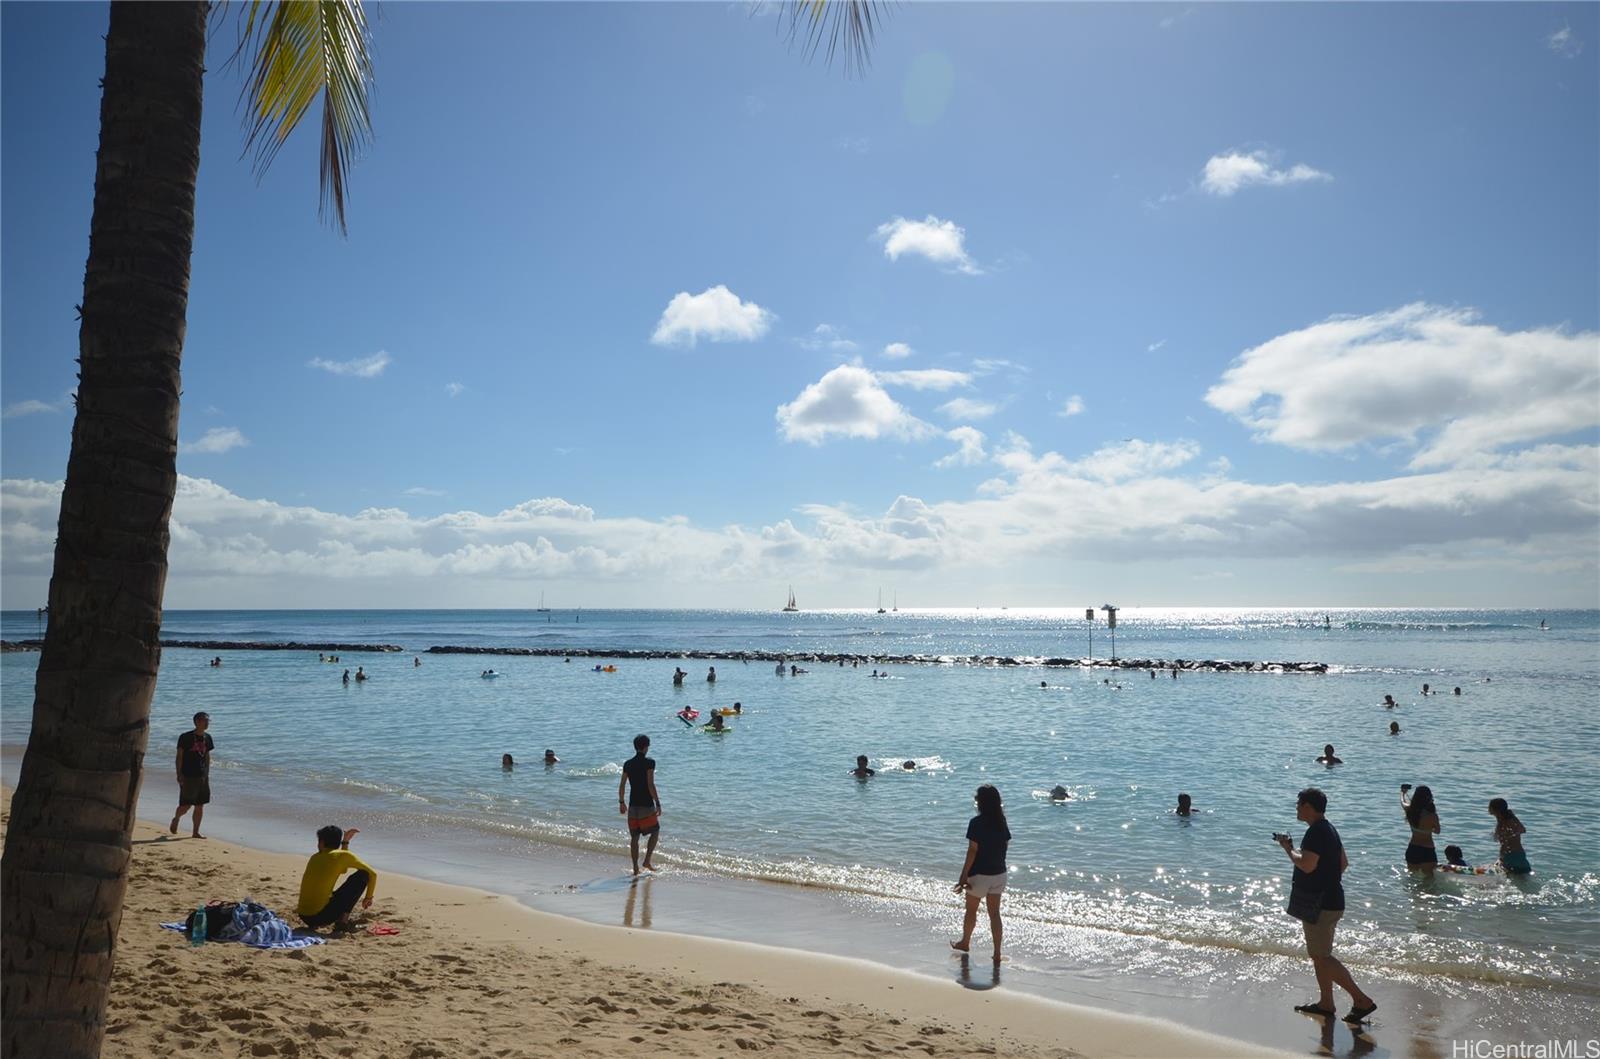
(258, 927)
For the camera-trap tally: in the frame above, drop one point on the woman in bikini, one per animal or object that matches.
(1424, 821)
(1508, 831)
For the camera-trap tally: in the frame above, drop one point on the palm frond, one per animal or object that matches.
(302, 49)
(846, 27)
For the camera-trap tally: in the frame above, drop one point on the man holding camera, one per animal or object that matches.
(1316, 898)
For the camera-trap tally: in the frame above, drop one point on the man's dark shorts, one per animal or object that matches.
(194, 790)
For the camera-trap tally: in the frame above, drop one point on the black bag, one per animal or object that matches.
(1305, 904)
(219, 916)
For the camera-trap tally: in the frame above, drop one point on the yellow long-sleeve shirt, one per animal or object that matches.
(322, 873)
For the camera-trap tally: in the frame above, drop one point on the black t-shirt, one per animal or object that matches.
(992, 838)
(638, 769)
(1323, 840)
(196, 753)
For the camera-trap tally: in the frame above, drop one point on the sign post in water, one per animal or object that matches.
(1111, 623)
(1088, 616)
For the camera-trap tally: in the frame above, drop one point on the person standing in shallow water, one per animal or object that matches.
(638, 801)
(983, 874)
(1319, 865)
(1423, 819)
(1508, 831)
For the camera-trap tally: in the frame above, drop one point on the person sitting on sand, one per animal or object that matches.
(1185, 806)
(861, 771)
(550, 758)
(1059, 793)
(507, 763)
(638, 801)
(1394, 727)
(320, 904)
(1328, 758)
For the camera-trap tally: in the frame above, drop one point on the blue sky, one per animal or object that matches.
(1283, 304)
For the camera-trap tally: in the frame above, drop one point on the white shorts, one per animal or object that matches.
(984, 885)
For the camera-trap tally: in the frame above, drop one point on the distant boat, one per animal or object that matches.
(880, 602)
(790, 607)
(897, 601)
(541, 609)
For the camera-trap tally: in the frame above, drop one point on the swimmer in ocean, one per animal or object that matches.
(909, 766)
(716, 723)
(1059, 793)
(1328, 758)
(1185, 806)
(550, 758)
(506, 762)
(1394, 727)
(861, 771)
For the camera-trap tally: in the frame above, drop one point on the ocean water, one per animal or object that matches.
(1106, 887)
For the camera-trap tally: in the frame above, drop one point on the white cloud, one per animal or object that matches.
(716, 314)
(971, 451)
(854, 144)
(942, 242)
(847, 402)
(1073, 406)
(454, 389)
(926, 378)
(1152, 347)
(27, 408)
(215, 441)
(992, 365)
(359, 368)
(826, 336)
(1519, 516)
(1564, 42)
(422, 490)
(967, 408)
(1421, 374)
(1227, 173)
(897, 350)
(1132, 459)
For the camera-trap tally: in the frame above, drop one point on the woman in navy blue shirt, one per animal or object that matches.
(983, 875)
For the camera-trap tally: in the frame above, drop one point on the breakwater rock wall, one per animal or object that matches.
(235, 645)
(833, 658)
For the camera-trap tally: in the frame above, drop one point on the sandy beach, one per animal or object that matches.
(476, 974)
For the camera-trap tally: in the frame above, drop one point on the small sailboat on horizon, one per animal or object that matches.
(790, 607)
(541, 609)
(880, 602)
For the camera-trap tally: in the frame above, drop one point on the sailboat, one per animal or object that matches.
(542, 608)
(790, 607)
(897, 601)
(880, 602)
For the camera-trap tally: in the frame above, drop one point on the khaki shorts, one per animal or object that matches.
(1319, 935)
(984, 885)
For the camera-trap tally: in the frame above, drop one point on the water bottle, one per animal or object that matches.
(197, 929)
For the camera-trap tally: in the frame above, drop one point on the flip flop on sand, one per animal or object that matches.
(1314, 1009)
(382, 929)
(1360, 1015)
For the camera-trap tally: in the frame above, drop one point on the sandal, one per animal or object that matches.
(1315, 1009)
(1360, 1015)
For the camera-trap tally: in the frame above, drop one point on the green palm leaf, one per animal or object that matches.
(847, 27)
(303, 49)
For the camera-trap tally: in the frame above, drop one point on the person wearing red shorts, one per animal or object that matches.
(638, 801)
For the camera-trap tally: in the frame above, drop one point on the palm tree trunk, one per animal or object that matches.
(65, 867)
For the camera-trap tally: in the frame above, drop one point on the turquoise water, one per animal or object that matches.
(772, 799)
